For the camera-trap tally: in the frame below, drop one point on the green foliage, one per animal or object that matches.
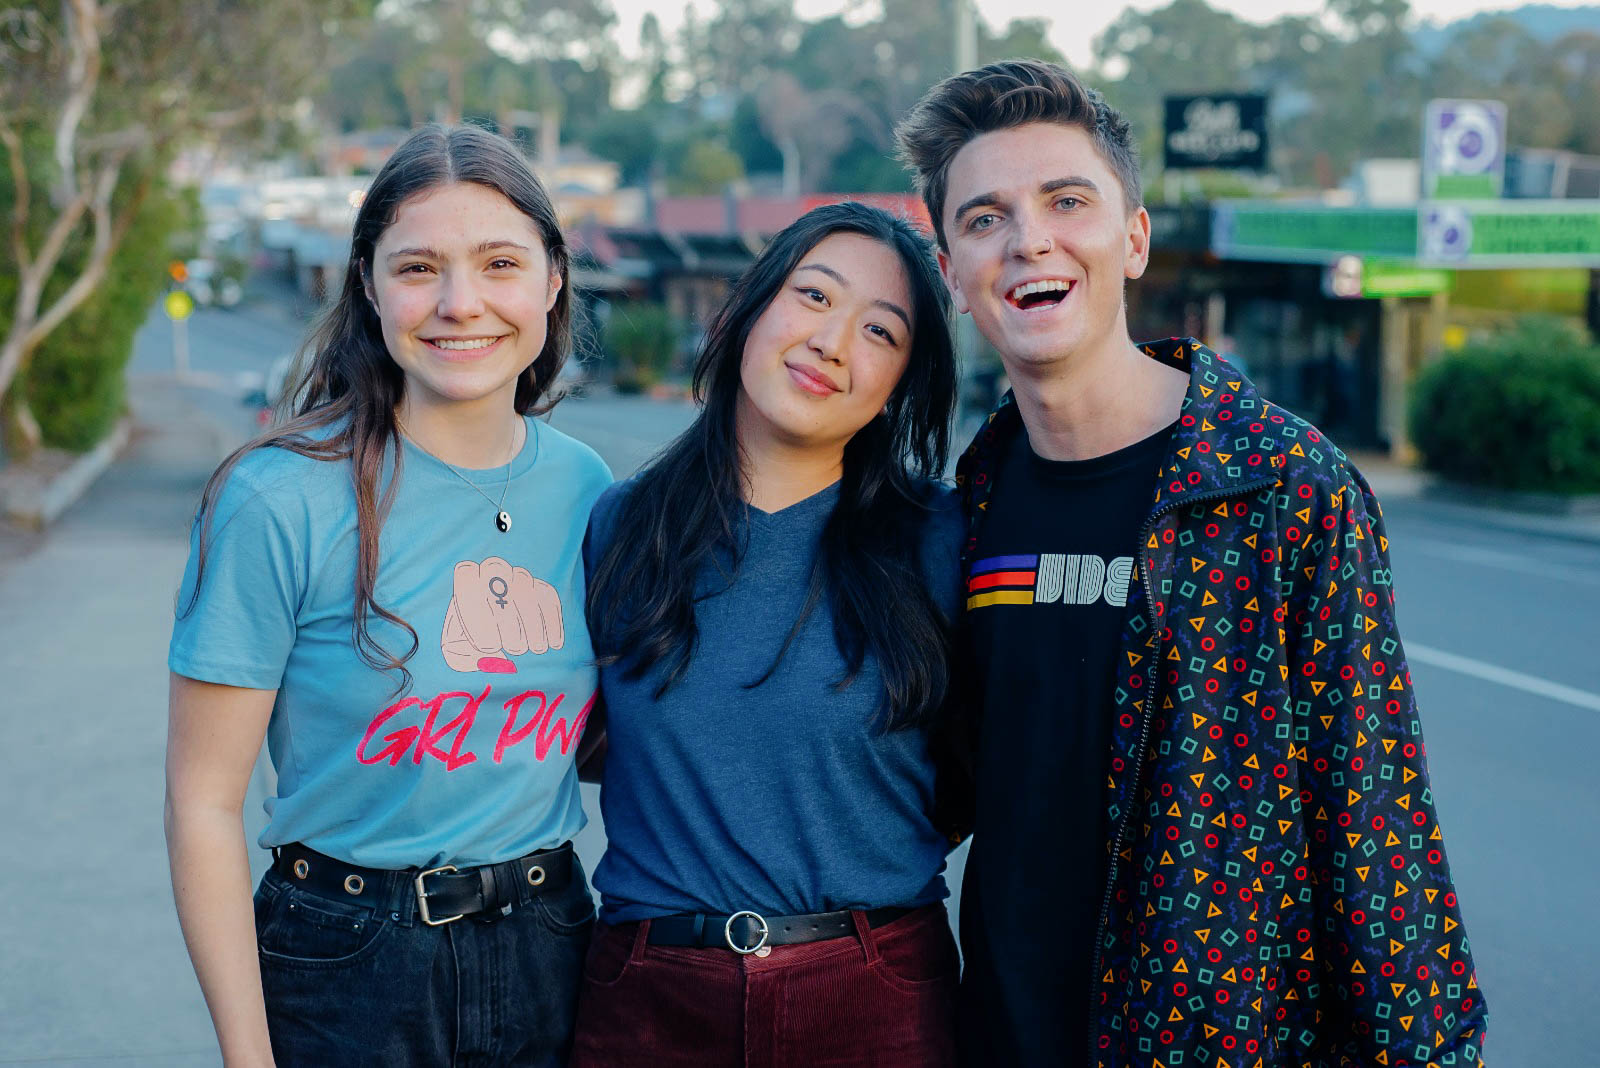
(704, 166)
(629, 138)
(1026, 38)
(643, 338)
(421, 60)
(865, 168)
(1346, 83)
(830, 89)
(750, 141)
(1519, 412)
(74, 384)
(166, 75)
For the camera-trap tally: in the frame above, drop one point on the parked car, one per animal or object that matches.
(265, 399)
(208, 285)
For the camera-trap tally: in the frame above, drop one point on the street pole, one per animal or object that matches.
(179, 305)
(966, 35)
(180, 348)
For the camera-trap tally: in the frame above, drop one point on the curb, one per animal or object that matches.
(670, 391)
(1544, 515)
(1550, 505)
(1577, 530)
(37, 506)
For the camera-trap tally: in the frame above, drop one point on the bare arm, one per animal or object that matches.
(213, 735)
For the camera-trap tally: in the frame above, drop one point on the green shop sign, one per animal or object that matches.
(1509, 233)
(1443, 234)
(1384, 279)
(1291, 233)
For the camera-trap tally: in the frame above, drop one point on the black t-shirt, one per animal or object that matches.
(1047, 589)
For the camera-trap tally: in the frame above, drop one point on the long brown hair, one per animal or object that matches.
(682, 512)
(345, 380)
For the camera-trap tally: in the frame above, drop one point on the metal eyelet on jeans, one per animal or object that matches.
(301, 869)
(535, 875)
(354, 884)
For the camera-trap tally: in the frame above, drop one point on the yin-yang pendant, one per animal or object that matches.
(502, 521)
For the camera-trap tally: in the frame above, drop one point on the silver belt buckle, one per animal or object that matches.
(422, 899)
(745, 951)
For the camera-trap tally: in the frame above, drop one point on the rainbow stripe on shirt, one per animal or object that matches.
(1002, 580)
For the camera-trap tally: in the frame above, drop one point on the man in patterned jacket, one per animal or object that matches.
(1205, 836)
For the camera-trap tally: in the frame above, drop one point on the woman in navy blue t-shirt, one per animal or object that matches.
(770, 601)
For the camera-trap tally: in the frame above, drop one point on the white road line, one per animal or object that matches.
(1472, 554)
(1423, 654)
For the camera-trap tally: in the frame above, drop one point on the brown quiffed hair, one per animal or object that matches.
(1000, 96)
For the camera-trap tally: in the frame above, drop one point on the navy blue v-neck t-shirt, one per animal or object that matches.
(785, 797)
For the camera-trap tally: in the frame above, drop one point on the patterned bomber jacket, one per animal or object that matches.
(1278, 893)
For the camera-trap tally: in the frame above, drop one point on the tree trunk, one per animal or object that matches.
(19, 429)
(14, 350)
(791, 166)
(456, 88)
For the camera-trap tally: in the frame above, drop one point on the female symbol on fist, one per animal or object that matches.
(496, 612)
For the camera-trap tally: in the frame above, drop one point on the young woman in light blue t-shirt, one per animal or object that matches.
(389, 588)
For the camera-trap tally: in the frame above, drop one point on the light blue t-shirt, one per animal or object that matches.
(472, 761)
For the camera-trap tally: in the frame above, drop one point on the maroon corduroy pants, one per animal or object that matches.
(883, 996)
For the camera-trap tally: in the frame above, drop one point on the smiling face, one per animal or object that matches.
(462, 286)
(826, 353)
(1040, 244)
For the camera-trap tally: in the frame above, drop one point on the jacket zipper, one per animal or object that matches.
(1144, 736)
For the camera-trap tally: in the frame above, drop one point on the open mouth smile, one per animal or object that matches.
(1044, 293)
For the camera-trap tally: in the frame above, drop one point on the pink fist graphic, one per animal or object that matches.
(496, 612)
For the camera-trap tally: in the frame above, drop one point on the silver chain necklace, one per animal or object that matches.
(502, 518)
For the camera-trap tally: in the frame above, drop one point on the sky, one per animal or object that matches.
(1073, 31)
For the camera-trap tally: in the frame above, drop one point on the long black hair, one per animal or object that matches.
(345, 380)
(683, 512)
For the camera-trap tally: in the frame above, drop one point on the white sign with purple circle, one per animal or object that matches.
(1464, 148)
(1445, 235)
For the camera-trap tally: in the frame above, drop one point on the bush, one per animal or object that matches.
(74, 381)
(1519, 412)
(643, 337)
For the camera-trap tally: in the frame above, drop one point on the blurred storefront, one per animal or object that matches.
(1333, 310)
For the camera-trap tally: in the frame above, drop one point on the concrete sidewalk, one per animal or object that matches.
(95, 969)
(1416, 490)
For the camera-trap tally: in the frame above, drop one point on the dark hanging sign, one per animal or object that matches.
(1223, 130)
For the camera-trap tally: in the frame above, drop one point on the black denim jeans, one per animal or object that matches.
(352, 984)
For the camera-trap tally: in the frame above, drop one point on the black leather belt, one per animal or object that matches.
(747, 932)
(440, 895)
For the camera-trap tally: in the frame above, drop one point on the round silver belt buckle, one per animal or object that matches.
(745, 951)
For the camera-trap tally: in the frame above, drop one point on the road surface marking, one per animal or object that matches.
(1472, 554)
(1505, 677)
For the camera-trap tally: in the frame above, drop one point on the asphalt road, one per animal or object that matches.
(1500, 629)
(1501, 632)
